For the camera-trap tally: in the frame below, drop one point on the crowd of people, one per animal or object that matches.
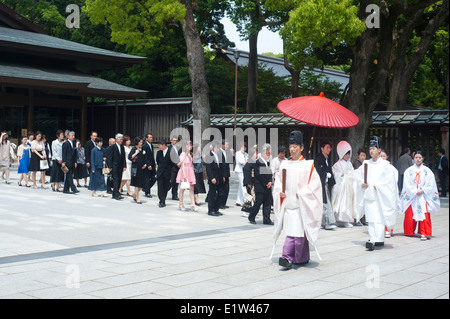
(315, 194)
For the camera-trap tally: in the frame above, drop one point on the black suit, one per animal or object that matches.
(69, 158)
(249, 178)
(263, 176)
(150, 175)
(175, 158)
(88, 146)
(443, 174)
(320, 163)
(225, 168)
(163, 174)
(214, 171)
(116, 161)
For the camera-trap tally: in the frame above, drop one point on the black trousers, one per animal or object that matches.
(116, 181)
(173, 182)
(264, 199)
(150, 180)
(163, 188)
(68, 182)
(443, 181)
(214, 197)
(224, 190)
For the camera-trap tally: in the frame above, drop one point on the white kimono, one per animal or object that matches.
(301, 211)
(343, 194)
(379, 201)
(415, 179)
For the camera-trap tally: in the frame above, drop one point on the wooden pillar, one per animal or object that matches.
(124, 115)
(83, 133)
(30, 114)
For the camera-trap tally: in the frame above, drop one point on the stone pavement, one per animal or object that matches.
(76, 246)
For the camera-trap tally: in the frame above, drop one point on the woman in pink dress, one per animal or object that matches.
(186, 174)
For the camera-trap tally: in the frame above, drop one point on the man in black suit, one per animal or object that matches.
(174, 152)
(116, 162)
(323, 166)
(150, 172)
(69, 160)
(215, 179)
(263, 187)
(163, 172)
(227, 159)
(88, 146)
(109, 182)
(443, 172)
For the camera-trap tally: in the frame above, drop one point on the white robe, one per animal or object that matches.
(379, 201)
(301, 210)
(343, 195)
(415, 179)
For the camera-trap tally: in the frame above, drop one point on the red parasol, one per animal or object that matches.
(318, 111)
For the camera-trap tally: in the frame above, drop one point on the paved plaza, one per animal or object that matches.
(76, 246)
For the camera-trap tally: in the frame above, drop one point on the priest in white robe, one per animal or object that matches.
(298, 210)
(419, 198)
(343, 195)
(377, 196)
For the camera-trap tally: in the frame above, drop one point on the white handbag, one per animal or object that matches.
(185, 185)
(43, 165)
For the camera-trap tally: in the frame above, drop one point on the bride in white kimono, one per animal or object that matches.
(377, 197)
(343, 195)
(419, 198)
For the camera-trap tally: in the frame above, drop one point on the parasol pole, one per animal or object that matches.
(311, 142)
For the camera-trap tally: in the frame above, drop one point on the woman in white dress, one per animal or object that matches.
(126, 176)
(419, 198)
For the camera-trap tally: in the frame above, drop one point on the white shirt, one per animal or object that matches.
(118, 146)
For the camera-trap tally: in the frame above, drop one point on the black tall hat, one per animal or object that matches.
(296, 137)
(375, 141)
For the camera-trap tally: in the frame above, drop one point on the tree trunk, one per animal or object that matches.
(252, 74)
(419, 53)
(200, 90)
(295, 76)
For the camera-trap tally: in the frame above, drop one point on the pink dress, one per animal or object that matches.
(188, 169)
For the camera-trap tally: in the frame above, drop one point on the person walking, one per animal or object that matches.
(263, 187)
(174, 152)
(361, 158)
(97, 160)
(88, 146)
(241, 160)
(23, 161)
(404, 161)
(5, 154)
(376, 195)
(186, 175)
(69, 161)
(80, 171)
(163, 172)
(150, 173)
(227, 159)
(126, 176)
(443, 172)
(419, 198)
(38, 159)
(197, 162)
(57, 175)
(323, 167)
(117, 163)
(138, 167)
(215, 179)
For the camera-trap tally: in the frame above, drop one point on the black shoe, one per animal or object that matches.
(213, 214)
(76, 191)
(370, 246)
(67, 192)
(175, 198)
(380, 243)
(162, 205)
(268, 223)
(218, 213)
(148, 195)
(252, 222)
(283, 262)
